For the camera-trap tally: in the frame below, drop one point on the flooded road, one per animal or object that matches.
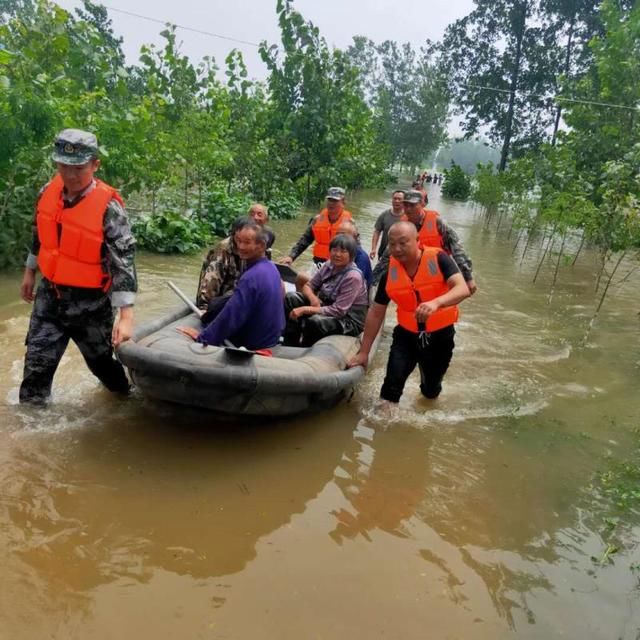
(475, 516)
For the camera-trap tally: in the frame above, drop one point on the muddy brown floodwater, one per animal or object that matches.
(470, 517)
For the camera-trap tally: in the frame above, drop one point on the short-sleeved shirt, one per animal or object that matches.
(383, 224)
(447, 266)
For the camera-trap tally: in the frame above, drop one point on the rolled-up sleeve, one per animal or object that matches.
(120, 255)
(306, 240)
(452, 245)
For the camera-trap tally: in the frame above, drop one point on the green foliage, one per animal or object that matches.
(503, 45)
(408, 96)
(488, 190)
(457, 184)
(170, 232)
(321, 125)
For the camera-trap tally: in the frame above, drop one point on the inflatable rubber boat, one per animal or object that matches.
(167, 365)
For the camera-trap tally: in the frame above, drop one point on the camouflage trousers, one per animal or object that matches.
(60, 314)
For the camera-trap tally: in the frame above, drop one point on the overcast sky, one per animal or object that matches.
(256, 20)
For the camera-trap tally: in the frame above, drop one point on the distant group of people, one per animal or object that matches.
(429, 178)
(83, 246)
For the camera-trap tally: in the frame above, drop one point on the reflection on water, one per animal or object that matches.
(466, 517)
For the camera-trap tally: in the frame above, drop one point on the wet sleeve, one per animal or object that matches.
(447, 265)
(306, 240)
(452, 245)
(32, 257)
(381, 292)
(120, 255)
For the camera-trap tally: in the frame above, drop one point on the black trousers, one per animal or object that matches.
(84, 316)
(405, 353)
(309, 329)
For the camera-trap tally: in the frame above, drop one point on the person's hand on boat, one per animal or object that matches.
(473, 287)
(123, 326)
(28, 284)
(188, 331)
(286, 260)
(372, 254)
(361, 359)
(426, 309)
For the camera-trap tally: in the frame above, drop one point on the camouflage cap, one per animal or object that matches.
(73, 146)
(413, 197)
(335, 193)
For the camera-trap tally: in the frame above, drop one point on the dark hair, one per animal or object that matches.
(239, 223)
(348, 243)
(402, 191)
(247, 223)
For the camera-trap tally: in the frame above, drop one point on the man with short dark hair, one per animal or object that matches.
(426, 286)
(83, 246)
(322, 229)
(254, 315)
(384, 222)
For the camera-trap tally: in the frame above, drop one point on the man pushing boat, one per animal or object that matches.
(427, 285)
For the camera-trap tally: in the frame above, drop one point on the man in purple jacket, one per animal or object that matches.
(254, 316)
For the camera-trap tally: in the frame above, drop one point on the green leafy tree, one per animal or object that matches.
(501, 63)
(457, 184)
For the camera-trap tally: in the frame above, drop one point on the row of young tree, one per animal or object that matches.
(582, 186)
(189, 148)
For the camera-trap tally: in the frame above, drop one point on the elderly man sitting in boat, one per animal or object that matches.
(222, 266)
(253, 317)
(333, 302)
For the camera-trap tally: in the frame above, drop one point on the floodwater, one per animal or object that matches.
(474, 516)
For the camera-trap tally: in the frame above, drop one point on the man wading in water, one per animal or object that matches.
(426, 284)
(83, 246)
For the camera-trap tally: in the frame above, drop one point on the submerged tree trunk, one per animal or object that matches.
(604, 259)
(604, 295)
(555, 273)
(515, 246)
(575, 258)
(544, 254)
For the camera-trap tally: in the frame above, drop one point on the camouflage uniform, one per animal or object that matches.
(220, 273)
(83, 315)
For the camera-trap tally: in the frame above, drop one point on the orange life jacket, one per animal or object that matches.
(427, 284)
(72, 255)
(324, 231)
(429, 236)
